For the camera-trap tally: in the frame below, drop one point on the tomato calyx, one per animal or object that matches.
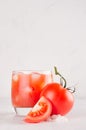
(63, 81)
(72, 90)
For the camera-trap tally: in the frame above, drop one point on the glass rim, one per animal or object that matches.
(32, 71)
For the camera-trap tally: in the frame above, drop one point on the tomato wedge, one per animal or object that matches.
(40, 112)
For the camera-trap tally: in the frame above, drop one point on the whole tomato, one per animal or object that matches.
(61, 98)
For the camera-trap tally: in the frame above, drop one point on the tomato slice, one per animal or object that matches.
(40, 112)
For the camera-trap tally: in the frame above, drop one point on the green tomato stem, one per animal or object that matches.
(57, 73)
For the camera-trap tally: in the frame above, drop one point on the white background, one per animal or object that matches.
(38, 34)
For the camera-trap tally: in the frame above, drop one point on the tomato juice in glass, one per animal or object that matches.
(26, 88)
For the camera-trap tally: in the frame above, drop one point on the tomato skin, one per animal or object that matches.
(40, 112)
(62, 100)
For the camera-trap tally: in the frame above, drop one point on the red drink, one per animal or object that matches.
(26, 87)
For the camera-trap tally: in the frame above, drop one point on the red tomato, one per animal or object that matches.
(61, 98)
(40, 112)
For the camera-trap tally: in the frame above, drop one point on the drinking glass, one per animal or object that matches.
(26, 88)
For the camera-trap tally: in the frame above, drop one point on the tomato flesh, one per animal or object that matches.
(62, 99)
(40, 112)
